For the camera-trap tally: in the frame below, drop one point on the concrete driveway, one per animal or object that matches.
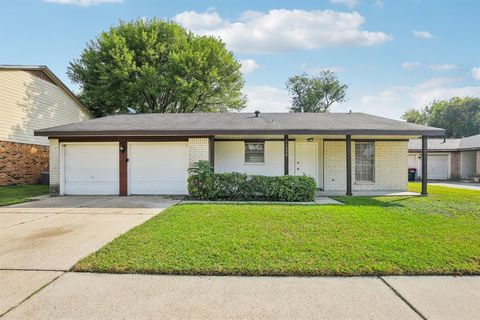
(41, 239)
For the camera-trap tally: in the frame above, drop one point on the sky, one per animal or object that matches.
(393, 54)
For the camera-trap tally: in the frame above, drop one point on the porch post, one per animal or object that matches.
(211, 151)
(123, 166)
(424, 165)
(349, 164)
(285, 155)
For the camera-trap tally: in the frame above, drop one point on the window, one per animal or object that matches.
(254, 152)
(364, 161)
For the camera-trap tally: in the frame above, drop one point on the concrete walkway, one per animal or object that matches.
(457, 185)
(41, 240)
(108, 296)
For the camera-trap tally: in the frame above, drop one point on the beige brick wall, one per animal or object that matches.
(197, 150)
(390, 166)
(335, 165)
(54, 167)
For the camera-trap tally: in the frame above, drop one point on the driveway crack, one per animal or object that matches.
(398, 294)
(23, 222)
(32, 294)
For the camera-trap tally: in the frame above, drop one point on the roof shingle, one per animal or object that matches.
(240, 123)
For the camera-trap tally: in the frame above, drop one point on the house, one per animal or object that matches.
(151, 153)
(447, 159)
(31, 97)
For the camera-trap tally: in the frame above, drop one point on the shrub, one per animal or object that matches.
(206, 185)
(200, 183)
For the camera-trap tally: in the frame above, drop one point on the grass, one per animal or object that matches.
(439, 234)
(18, 194)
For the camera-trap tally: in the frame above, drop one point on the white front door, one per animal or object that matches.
(306, 159)
(90, 169)
(157, 168)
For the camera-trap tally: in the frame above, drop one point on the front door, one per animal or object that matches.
(306, 159)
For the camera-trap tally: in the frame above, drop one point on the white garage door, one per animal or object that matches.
(91, 169)
(157, 168)
(437, 167)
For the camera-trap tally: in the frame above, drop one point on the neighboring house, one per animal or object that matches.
(447, 159)
(151, 153)
(31, 97)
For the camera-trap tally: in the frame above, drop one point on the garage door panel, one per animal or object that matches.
(162, 187)
(158, 168)
(91, 169)
(437, 167)
(91, 163)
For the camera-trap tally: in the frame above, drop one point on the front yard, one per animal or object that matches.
(439, 234)
(18, 194)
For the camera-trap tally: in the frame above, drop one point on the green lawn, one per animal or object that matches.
(18, 194)
(439, 234)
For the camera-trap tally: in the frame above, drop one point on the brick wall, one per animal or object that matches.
(390, 166)
(478, 164)
(197, 150)
(455, 165)
(335, 165)
(22, 163)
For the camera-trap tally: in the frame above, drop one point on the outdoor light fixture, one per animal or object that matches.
(122, 148)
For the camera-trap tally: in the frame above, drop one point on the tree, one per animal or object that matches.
(460, 117)
(157, 66)
(415, 116)
(315, 94)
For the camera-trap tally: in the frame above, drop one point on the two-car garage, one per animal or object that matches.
(152, 168)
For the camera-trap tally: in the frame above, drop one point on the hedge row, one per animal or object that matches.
(203, 184)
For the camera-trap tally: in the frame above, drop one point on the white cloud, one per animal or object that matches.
(442, 67)
(196, 21)
(348, 3)
(266, 99)
(317, 69)
(392, 102)
(411, 65)
(248, 65)
(476, 73)
(423, 35)
(379, 3)
(83, 3)
(284, 30)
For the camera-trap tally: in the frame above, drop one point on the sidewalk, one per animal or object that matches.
(109, 296)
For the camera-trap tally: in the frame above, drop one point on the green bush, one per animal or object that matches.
(205, 185)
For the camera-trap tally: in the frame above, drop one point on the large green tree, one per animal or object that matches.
(315, 94)
(459, 116)
(157, 66)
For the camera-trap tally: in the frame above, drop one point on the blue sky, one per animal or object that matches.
(393, 54)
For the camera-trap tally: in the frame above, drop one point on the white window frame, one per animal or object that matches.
(245, 151)
(372, 180)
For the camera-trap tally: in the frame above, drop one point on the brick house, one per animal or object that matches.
(151, 153)
(31, 97)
